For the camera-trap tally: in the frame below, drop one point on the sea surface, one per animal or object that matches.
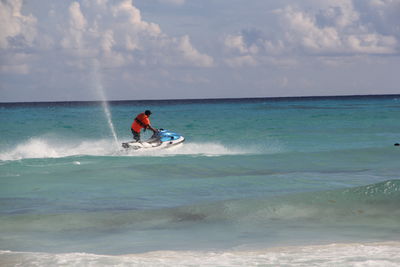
(258, 182)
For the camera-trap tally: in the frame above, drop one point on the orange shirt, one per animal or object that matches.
(141, 121)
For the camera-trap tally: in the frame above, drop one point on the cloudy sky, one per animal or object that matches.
(169, 49)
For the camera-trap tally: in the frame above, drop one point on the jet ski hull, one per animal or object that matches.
(160, 140)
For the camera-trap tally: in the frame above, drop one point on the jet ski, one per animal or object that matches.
(161, 139)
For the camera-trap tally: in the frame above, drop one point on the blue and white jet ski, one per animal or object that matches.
(161, 139)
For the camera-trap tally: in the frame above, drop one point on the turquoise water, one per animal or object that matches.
(252, 174)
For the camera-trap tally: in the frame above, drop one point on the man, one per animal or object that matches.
(141, 121)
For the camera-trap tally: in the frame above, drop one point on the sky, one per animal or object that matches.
(178, 49)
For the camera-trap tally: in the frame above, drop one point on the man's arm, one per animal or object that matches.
(151, 128)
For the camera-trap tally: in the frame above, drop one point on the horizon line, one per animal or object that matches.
(204, 99)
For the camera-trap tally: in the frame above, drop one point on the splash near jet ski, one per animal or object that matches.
(160, 139)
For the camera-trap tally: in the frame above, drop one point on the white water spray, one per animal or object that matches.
(107, 113)
(100, 91)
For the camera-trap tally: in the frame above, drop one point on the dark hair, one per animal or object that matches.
(147, 112)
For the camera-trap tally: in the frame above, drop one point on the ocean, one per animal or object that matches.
(311, 181)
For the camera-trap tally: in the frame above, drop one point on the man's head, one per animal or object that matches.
(147, 112)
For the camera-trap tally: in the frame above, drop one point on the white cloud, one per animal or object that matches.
(73, 39)
(238, 42)
(125, 12)
(16, 30)
(112, 32)
(247, 46)
(333, 27)
(77, 20)
(107, 41)
(335, 30)
(192, 55)
(381, 15)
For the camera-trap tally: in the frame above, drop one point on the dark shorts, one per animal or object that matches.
(136, 136)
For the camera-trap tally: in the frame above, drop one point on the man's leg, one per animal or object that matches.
(136, 136)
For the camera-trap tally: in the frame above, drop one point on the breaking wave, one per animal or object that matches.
(355, 254)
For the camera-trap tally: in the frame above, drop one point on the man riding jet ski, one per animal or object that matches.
(160, 138)
(142, 121)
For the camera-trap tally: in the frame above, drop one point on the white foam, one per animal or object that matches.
(203, 149)
(367, 254)
(41, 147)
(46, 148)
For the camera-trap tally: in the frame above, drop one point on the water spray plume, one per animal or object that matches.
(100, 91)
